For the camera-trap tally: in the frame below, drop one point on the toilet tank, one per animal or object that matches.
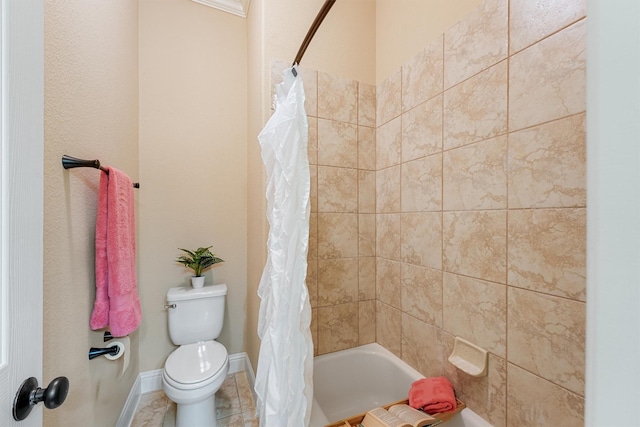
(198, 313)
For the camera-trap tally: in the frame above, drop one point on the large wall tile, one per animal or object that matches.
(313, 187)
(474, 244)
(388, 190)
(313, 236)
(547, 80)
(477, 108)
(389, 98)
(366, 191)
(531, 21)
(310, 82)
(337, 144)
(314, 330)
(337, 235)
(421, 184)
(474, 176)
(388, 282)
(487, 395)
(476, 43)
(337, 281)
(546, 336)
(388, 236)
(534, 402)
(337, 98)
(547, 165)
(337, 327)
(337, 189)
(312, 282)
(422, 77)
(312, 147)
(418, 348)
(421, 239)
(547, 251)
(389, 328)
(366, 322)
(389, 144)
(366, 278)
(367, 235)
(366, 105)
(422, 130)
(366, 148)
(476, 311)
(422, 293)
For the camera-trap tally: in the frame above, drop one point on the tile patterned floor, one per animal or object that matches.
(234, 406)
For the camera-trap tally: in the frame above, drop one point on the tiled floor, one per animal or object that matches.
(234, 406)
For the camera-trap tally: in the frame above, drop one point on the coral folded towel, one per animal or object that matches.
(117, 304)
(432, 395)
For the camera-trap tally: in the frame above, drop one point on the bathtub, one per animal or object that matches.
(353, 381)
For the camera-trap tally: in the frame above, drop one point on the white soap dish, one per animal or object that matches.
(469, 358)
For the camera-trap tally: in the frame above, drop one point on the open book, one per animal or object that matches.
(397, 416)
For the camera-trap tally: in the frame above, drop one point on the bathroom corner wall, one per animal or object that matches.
(91, 111)
(193, 167)
(481, 209)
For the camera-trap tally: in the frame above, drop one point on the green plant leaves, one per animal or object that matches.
(198, 260)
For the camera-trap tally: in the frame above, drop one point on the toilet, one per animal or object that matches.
(194, 372)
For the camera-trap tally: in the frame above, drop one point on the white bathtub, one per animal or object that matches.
(352, 381)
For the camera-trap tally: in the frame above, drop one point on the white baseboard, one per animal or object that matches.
(149, 381)
(130, 406)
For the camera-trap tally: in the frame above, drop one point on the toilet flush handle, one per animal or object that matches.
(167, 306)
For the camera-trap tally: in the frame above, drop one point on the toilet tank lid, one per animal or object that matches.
(182, 293)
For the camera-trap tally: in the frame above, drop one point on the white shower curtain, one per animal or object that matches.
(284, 379)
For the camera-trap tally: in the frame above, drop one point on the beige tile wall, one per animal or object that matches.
(341, 275)
(450, 201)
(481, 209)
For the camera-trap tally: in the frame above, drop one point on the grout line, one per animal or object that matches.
(442, 190)
(506, 279)
(549, 35)
(402, 118)
(542, 378)
(546, 122)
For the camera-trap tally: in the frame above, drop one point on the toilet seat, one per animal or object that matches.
(195, 365)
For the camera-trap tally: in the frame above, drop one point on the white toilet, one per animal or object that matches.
(194, 372)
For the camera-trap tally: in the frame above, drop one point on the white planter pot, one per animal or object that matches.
(197, 281)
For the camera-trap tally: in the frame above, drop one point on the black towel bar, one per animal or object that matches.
(69, 162)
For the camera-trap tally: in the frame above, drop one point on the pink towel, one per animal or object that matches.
(432, 395)
(117, 304)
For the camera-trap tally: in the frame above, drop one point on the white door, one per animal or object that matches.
(21, 202)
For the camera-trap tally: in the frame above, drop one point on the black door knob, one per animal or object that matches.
(30, 395)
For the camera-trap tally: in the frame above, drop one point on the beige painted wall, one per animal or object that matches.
(257, 227)
(193, 168)
(404, 27)
(91, 111)
(344, 44)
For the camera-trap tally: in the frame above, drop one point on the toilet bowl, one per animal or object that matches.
(195, 371)
(192, 375)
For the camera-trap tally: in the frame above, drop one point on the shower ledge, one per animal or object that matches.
(236, 7)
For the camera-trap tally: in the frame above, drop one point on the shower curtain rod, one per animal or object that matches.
(324, 10)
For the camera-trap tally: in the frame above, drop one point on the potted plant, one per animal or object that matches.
(198, 261)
